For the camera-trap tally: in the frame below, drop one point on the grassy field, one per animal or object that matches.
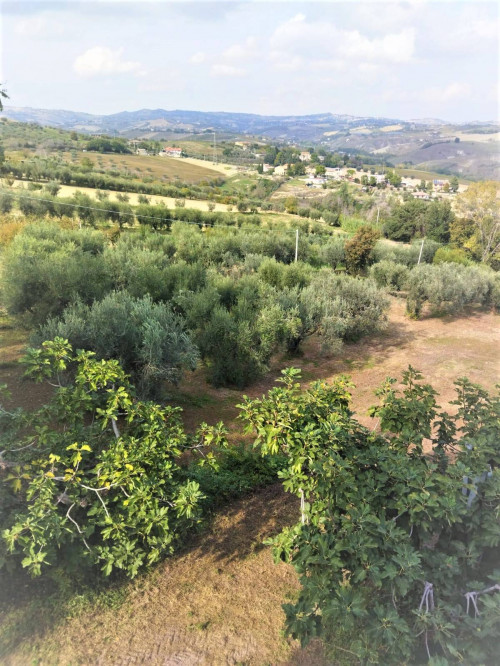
(219, 600)
(160, 168)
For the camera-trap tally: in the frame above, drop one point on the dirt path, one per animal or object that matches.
(218, 603)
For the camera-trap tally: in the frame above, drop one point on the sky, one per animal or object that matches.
(406, 60)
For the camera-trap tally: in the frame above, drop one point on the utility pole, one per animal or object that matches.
(421, 250)
(296, 245)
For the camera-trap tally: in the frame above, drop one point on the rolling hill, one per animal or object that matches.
(470, 150)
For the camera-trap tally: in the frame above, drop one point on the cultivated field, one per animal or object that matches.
(160, 168)
(133, 197)
(219, 601)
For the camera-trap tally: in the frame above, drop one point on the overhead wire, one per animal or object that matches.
(135, 215)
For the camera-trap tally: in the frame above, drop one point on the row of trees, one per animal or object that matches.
(86, 175)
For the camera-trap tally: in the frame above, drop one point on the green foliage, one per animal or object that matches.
(96, 475)
(448, 287)
(239, 470)
(147, 338)
(451, 255)
(46, 268)
(390, 274)
(107, 145)
(343, 308)
(6, 202)
(416, 219)
(394, 549)
(404, 254)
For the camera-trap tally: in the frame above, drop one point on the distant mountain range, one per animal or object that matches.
(158, 120)
(468, 149)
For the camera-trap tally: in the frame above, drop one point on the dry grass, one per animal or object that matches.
(160, 168)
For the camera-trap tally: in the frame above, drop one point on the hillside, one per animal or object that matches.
(429, 144)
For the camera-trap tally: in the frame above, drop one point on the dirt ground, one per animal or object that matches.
(219, 601)
(441, 348)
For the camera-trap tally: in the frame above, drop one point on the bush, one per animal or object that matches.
(103, 482)
(343, 308)
(358, 250)
(397, 551)
(239, 470)
(448, 287)
(405, 254)
(46, 268)
(389, 274)
(6, 202)
(332, 253)
(451, 255)
(148, 339)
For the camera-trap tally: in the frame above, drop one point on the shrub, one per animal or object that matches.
(148, 339)
(46, 268)
(451, 255)
(396, 550)
(447, 286)
(102, 481)
(343, 308)
(389, 274)
(358, 250)
(6, 202)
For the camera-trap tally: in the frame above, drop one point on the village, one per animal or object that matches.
(316, 175)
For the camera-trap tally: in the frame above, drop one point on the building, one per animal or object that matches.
(169, 151)
(281, 170)
(305, 156)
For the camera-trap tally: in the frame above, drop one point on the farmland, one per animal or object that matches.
(166, 326)
(161, 168)
(224, 589)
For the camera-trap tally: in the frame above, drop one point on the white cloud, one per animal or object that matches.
(452, 92)
(227, 71)
(244, 51)
(100, 60)
(395, 48)
(197, 58)
(321, 42)
(434, 95)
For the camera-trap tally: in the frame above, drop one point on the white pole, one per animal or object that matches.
(421, 249)
(296, 245)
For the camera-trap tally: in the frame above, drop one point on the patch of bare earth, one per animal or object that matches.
(441, 348)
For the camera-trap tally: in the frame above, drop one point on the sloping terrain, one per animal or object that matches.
(219, 601)
(428, 144)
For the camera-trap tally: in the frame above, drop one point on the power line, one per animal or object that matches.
(163, 219)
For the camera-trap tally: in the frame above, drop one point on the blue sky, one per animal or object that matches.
(405, 60)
